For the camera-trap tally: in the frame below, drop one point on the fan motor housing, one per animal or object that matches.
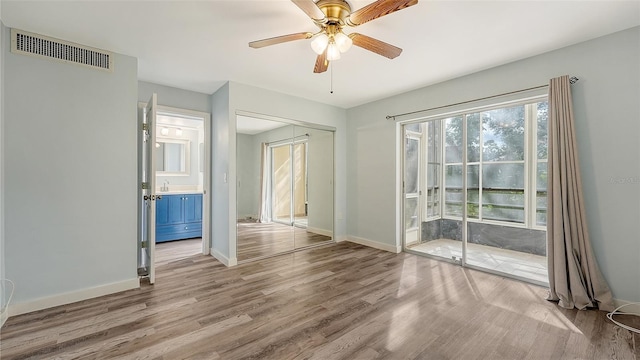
(336, 11)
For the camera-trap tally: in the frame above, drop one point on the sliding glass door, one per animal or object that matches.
(289, 182)
(484, 180)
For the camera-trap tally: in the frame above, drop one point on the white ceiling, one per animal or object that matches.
(199, 45)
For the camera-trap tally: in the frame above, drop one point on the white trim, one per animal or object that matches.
(223, 259)
(375, 244)
(631, 309)
(283, 120)
(205, 117)
(341, 238)
(71, 297)
(320, 231)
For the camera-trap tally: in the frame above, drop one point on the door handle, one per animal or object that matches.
(153, 197)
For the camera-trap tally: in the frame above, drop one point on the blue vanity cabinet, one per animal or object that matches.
(178, 217)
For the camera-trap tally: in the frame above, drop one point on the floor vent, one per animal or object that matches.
(26, 43)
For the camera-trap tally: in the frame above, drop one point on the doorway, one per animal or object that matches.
(175, 172)
(474, 189)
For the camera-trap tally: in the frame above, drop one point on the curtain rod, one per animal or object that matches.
(572, 80)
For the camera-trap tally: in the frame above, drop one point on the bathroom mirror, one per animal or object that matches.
(172, 156)
(284, 189)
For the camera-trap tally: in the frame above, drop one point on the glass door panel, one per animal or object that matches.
(412, 187)
(433, 217)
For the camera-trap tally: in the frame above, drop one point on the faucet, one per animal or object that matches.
(165, 187)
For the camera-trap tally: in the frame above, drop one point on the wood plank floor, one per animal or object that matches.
(263, 239)
(343, 301)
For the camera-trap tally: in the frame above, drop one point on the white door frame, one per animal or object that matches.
(206, 186)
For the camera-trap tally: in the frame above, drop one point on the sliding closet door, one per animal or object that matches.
(312, 186)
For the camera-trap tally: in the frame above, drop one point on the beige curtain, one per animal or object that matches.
(574, 277)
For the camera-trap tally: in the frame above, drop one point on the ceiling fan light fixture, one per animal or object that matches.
(343, 42)
(320, 43)
(332, 52)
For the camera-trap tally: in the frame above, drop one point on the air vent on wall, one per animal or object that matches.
(26, 43)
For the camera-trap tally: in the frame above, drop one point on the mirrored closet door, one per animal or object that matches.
(285, 187)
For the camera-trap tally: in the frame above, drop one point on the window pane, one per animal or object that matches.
(412, 156)
(473, 184)
(453, 147)
(433, 202)
(503, 176)
(541, 208)
(473, 137)
(453, 192)
(433, 141)
(541, 193)
(542, 128)
(503, 205)
(411, 213)
(414, 127)
(541, 176)
(503, 134)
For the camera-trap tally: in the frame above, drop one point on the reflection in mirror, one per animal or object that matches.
(172, 156)
(285, 187)
(313, 186)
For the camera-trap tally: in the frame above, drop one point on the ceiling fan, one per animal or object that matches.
(331, 16)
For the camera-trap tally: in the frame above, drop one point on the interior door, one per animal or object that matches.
(148, 181)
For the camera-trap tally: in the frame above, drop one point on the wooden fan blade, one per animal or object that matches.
(280, 39)
(321, 63)
(311, 9)
(377, 9)
(375, 45)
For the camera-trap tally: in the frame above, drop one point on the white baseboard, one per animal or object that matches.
(341, 238)
(320, 231)
(375, 244)
(634, 308)
(228, 262)
(71, 297)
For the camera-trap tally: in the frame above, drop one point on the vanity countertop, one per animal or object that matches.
(178, 192)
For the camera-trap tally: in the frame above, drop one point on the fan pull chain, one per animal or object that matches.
(331, 75)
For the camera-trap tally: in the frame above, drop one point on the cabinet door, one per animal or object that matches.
(162, 210)
(192, 208)
(175, 209)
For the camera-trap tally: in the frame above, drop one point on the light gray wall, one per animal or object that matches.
(606, 112)
(70, 194)
(174, 97)
(220, 153)
(248, 172)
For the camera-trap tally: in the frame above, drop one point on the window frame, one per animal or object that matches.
(530, 162)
